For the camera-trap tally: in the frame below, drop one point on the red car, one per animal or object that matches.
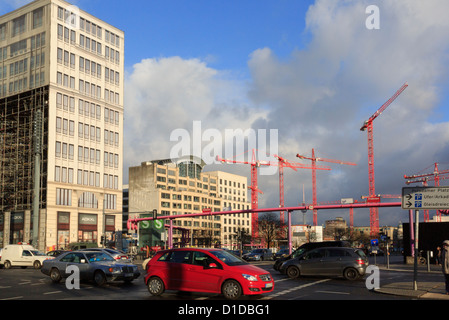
(205, 270)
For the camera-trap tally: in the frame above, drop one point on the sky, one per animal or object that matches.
(310, 71)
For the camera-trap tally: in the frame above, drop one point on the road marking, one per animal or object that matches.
(333, 292)
(12, 298)
(280, 280)
(52, 292)
(5, 287)
(293, 289)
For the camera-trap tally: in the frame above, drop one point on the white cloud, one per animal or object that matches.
(317, 98)
(166, 94)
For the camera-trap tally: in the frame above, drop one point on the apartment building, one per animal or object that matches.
(180, 186)
(233, 192)
(62, 72)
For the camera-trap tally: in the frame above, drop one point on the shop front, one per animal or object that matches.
(88, 228)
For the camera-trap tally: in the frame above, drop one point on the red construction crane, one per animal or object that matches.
(314, 160)
(368, 125)
(254, 190)
(285, 163)
(255, 164)
(435, 176)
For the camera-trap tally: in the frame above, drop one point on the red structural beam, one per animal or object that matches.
(132, 223)
(305, 207)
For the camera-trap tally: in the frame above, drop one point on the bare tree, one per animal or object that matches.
(269, 226)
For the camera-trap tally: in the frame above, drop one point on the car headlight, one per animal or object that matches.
(115, 270)
(249, 277)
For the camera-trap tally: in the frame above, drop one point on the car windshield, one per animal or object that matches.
(37, 253)
(229, 259)
(298, 252)
(98, 256)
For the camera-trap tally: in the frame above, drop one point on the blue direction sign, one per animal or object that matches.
(425, 198)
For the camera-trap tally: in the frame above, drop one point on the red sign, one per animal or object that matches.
(373, 199)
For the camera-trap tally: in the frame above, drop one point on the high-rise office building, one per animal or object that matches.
(175, 187)
(61, 125)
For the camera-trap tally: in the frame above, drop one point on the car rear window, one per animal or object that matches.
(361, 253)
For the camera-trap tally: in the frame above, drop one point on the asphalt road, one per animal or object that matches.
(31, 284)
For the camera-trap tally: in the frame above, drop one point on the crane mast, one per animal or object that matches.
(368, 126)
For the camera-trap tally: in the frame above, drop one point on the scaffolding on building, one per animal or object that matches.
(17, 116)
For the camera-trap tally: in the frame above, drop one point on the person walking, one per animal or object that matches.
(438, 256)
(445, 263)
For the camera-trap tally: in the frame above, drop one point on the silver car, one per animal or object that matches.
(350, 263)
(95, 266)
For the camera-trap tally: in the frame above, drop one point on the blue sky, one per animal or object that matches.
(309, 69)
(223, 31)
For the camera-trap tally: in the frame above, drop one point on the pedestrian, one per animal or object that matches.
(438, 256)
(445, 263)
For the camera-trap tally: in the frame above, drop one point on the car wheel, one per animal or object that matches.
(37, 264)
(293, 272)
(351, 274)
(55, 275)
(7, 264)
(155, 286)
(231, 290)
(99, 278)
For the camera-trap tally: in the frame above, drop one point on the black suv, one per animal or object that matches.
(307, 247)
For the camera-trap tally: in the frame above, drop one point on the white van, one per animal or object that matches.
(22, 255)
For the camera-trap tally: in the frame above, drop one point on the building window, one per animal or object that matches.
(37, 17)
(18, 25)
(63, 197)
(88, 200)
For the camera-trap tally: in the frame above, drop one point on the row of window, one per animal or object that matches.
(20, 84)
(87, 66)
(87, 109)
(87, 88)
(85, 178)
(86, 131)
(37, 42)
(86, 200)
(67, 151)
(87, 26)
(18, 25)
(88, 44)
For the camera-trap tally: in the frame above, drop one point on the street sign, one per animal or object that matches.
(158, 224)
(145, 224)
(423, 198)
